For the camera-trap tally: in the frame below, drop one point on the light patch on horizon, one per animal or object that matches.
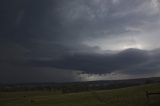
(113, 76)
(136, 46)
(109, 76)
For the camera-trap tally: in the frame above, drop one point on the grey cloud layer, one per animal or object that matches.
(131, 61)
(78, 21)
(79, 35)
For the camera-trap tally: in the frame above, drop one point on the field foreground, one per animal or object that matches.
(131, 96)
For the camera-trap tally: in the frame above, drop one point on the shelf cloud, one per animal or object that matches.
(63, 40)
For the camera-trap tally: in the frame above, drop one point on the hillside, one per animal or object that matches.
(131, 96)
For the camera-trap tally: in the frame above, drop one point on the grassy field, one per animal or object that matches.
(131, 96)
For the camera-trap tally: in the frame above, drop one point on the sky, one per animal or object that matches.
(78, 40)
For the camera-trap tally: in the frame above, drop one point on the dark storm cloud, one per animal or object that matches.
(128, 61)
(99, 18)
(151, 66)
(24, 20)
(73, 21)
(83, 35)
(20, 74)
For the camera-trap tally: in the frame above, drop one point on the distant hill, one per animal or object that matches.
(67, 87)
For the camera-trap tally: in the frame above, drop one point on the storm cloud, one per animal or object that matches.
(130, 61)
(62, 40)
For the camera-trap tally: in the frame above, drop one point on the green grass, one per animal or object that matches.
(131, 96)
